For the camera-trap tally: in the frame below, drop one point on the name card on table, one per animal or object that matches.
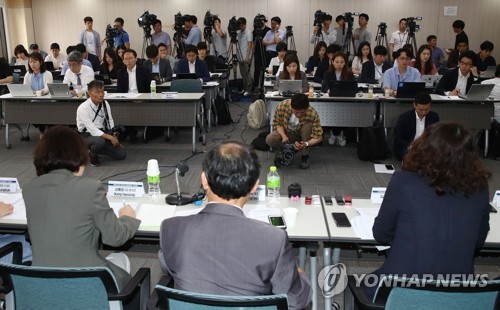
(125, 189)
(377, 195)
(9, 185)
(259, 194)
(496, 199)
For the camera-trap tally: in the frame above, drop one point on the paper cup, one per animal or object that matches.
(153, 167)
(38, 93)
(290, 215)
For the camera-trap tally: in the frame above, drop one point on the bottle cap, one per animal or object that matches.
(153, 167)
(272, 168)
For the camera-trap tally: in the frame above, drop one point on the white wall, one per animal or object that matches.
(62, 20)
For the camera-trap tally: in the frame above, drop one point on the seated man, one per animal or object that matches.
(212, 61)
(295, 121)
(437, 53)
(221, 251)
(484, 59)
(34, 48)
(78, 75)
(95, 123)
(281, 49)
(456, 54)
(373, 71)
(55, 56)
(94, 60)
(65, 66)
(459, 80)
(6, 74)
(400, 73)
(411, 124)
(192, 64)
(325, 63)
(159, 67)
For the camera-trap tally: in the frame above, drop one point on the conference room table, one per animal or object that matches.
(181, 110)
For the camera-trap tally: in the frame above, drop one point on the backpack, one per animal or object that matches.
(223, 114)
(257, 114)
(259, 143)
(373, 144)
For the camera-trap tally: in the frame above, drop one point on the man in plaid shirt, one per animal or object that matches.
(298, 123)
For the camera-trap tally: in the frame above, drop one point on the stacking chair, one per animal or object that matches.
(170, 298)
(405, 293)
(71, 288)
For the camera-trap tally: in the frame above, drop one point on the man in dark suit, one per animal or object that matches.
(372, 71)
(192, 64)
(159, 67)
(459, 80)
(93, 59)
(411, 124)
(220, 251)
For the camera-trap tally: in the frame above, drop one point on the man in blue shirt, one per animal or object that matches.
(400, 73)
(194, 36)
(437, 53)
(121, 36)
(160, 36)
(272, 38)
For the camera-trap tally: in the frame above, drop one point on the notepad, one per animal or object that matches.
(152, 215)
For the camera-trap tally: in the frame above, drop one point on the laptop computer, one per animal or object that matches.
(49, 65)
(103, 77)
(290, 87)
(184, 76)
(20, 90)
(478, 92)
(430, 80)
(343, 88)
(59, 90)
(275, 69)
(20, 69)
(409, 89)
(489, 73)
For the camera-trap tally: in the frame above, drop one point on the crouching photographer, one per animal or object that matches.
(95, 123)
(296, 126)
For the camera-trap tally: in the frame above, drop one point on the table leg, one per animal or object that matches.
(326, 262)
(7, 144)
(486, 142)
(302, 257)
(194, 139)
(314, 275)
(336, 256)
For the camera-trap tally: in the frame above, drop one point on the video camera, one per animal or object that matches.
(285, 156)
(111, 33)
(233, 26)
(382, 27)
(146, 20)
(319, 18)
(178, 22)
(349, 19)
(412, 24)
(209, 19)
(259, 21)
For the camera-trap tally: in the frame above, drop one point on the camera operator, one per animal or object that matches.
(327, 35)
(295, 121)
(398, 39)
(121, 37)
(340, 31)
(95, 123)
(194, 36)
(272, 38)
(245, 45)
(219, 39)
(362, 34)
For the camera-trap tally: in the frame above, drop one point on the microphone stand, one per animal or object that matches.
(178, 199)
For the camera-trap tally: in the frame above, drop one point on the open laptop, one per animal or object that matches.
(430, 80)
(478, 92)
(103, 77)
(409, 89)
(275, 69)
(489, 73)
(20, 90)
(290, 87)
(49, 66)
(185, 76)
(59, 90)
(343, 88)
(20, 69)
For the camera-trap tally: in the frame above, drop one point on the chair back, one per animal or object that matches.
(404, 293)
(170, 298)
(31, 287)
(186, 86)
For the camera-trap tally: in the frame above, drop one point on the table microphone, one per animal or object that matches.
(179, 199)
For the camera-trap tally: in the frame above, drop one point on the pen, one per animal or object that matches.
(124, 203)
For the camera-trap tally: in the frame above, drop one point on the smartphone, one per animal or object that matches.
(277, 220)
(339, 200)
(348, 200)
(389, 167)
(341, 220)
(328, 200)
(308, 200)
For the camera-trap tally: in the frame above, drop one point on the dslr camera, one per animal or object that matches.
(119, 132)
(285, 156)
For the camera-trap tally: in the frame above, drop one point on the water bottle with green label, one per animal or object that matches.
(273, 185)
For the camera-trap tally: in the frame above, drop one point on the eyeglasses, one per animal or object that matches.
(466, 64)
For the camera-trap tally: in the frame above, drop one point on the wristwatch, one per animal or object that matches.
(307, 144)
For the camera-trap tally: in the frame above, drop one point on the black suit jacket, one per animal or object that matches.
(405, 130)
(165, 69)
(368, 71)
(143, 78)
(94, 60)
(200, 67)
(321, 69)
(449, 81)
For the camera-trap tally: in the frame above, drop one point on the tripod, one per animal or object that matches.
(235, 52)
(178, 51)
(412, 40)
(381, 37)
(207, 35)
(147, 40)
(290, 41)
(260, 47)
(348, 40)
(319, 35)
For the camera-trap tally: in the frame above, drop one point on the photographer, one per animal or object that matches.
(296, 122)
(340, 31)
(95, 124)
(194, 36)
(245, 45)
(121, 37)
(219, 38)
(327, 35)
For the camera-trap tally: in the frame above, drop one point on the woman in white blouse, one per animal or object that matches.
(364, 54)
(22, 56)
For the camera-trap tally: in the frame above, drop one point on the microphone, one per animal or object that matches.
(179, 199)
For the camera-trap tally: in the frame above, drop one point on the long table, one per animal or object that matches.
(182, 110)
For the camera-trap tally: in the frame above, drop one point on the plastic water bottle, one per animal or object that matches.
(273, 185)
(153, 89)
(153, 174)
(370, 91)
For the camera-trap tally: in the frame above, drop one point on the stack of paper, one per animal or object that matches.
(17, 201)
(363, 224)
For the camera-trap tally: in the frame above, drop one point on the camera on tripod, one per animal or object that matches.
(233, 26)
(178, 22)
(319, 18)
(412, 24)
(146, 20)
(349, 18)
(209, 19)
(382, 27)
(111, 33)
(285, 156)
(259, 21)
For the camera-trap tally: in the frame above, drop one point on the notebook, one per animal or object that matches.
(290, 87)
(184, 76)
(478, 92)
(275, 69)
(20, 90)
(409, 89)
(59, 90)
(20, 69)
(489, 73)
(103, 77)
(343, 88)
(49, 66)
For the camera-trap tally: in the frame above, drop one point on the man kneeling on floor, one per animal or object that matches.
(95, 123)
(296, 122)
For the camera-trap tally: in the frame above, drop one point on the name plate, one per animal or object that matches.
(169, 94)
(377, 195)
(125, 189)
(496, 199)
(259, 194)
(9, 185)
